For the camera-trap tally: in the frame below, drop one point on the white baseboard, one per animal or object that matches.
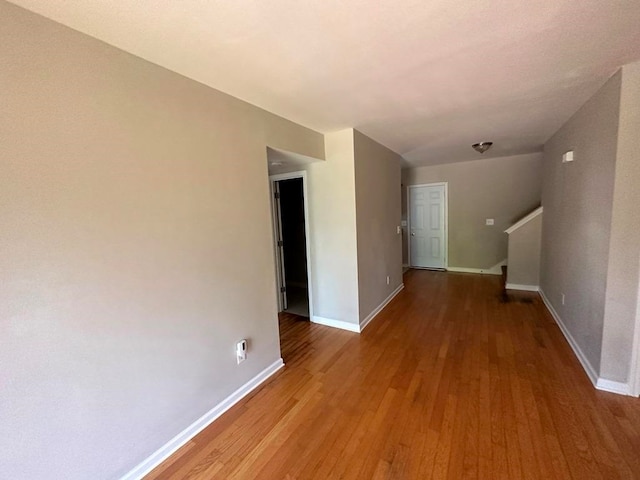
(590, 371)
(494, 270)
(341, 324)
(204, 421)
(473, 270)
(380, 307)
(525, 288)
(613, 387)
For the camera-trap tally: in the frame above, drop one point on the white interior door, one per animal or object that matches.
(427, 227)
(282, 298)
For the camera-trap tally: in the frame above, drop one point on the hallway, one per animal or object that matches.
(447, 382)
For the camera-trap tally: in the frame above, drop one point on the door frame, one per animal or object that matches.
(307, 232)
(446, 220)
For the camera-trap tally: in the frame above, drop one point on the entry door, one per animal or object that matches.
(428, 235)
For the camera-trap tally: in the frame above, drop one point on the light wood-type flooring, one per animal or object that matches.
(448, 382)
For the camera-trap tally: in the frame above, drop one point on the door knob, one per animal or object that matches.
(413, 234)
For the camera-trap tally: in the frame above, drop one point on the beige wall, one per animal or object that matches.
(577, 199)
(624, 243)
(354, 209)
(591, 227)
(524, 254)
(377, 187)
(135, 224)
(332, 217)
(504, 189)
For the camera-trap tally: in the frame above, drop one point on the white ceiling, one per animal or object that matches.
(426, 78)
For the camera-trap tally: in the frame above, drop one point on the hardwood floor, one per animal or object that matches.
(448, 382)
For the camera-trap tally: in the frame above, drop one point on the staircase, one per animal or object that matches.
(523, 257)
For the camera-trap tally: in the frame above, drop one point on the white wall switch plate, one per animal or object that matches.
(241, 351)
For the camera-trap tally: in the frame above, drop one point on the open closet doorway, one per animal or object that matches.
(291, 243)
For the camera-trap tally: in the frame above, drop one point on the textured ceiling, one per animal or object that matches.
(425, 78)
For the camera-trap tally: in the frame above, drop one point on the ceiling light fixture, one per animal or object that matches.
(482, 146)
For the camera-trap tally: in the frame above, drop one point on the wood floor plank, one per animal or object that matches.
(450, 381)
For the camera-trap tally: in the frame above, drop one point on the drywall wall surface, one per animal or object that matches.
(378, 211)
(332, 225)
(577, 199)
(524, 254)
(135, 250)
(284, 134)
(505, 189)
(624, 245)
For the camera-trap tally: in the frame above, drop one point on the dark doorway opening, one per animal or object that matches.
(293, 246)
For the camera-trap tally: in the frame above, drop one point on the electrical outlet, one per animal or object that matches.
(489, 221)
(388, 279)
(563, 299)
